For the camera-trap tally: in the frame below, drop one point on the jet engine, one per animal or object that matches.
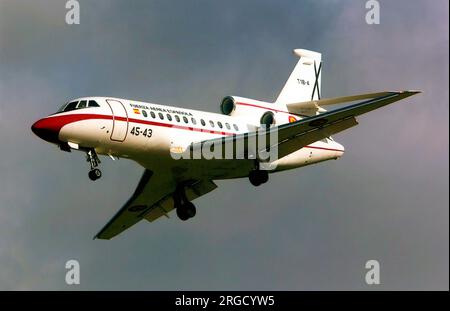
(254, 111)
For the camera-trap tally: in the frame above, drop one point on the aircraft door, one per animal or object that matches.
(120, 120)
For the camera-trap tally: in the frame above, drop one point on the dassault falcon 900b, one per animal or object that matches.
(155, 136)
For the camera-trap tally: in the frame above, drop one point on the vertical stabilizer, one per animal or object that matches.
(304, 83)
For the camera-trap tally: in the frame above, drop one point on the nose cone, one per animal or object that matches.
(46, 130)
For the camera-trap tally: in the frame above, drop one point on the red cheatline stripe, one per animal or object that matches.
(59, 121)
(322, 148)
(271, 109)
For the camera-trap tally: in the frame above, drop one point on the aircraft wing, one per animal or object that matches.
(151, 200)
(148, 191)
(296, 135)
(314, 104)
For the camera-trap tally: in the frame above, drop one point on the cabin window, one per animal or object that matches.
(144, 113)
(228, 126)
(161, 116)
(169, 117)
(177, 118)
(152, 114)
(185, 120)
(220, 124)
(211, 123)
(202, 122)
(235, 127)
(193, 121)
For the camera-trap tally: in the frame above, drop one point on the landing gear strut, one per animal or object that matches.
(185, 208)
(258, 177)
(94, 161)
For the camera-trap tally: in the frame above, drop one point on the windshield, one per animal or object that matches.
(78, 105)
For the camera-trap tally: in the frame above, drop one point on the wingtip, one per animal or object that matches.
(100, 238)
(411, 92)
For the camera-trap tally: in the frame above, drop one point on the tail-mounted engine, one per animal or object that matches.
(254, 111)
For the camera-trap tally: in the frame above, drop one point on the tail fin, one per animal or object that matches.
(304, 83)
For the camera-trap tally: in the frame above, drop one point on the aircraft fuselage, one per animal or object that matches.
(147, 133)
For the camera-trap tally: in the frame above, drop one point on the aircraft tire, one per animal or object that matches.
(182, 213)
(258, 177)
(95, 174)
(190, 209)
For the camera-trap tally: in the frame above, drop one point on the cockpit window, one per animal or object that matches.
(82, 104)
(62, 108)
(93, 103)
(70, 106)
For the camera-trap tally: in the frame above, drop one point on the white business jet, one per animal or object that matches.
(183, 151)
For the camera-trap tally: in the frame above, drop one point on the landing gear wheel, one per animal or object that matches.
(190, 209)
(95, 174)
(254, 181)
(184, 208)
(264, 177)
(94, 161)
(182, 213)
(186, 211)
(258, 177)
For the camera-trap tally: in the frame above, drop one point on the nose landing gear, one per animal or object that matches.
(94, 161)
(185, 209)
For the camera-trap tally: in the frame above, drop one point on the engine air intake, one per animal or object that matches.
(227, 106)
(267, 119)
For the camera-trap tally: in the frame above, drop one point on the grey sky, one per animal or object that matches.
(308, 229)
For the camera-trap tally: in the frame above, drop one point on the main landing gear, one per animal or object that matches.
(185, 209)
(94, 161)
(258, 177)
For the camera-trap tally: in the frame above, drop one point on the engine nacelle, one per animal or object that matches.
(255, 112)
